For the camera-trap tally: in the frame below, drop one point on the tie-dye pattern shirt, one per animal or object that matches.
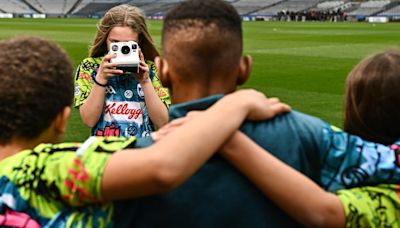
(371, 206)
(57, 185)
(125, 112)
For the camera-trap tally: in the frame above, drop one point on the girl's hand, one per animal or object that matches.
(107, 70)
(143, 74)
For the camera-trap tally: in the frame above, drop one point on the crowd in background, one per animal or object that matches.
(312, 15)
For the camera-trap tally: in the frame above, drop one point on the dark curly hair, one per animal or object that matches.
(202, 37)
(36, 84)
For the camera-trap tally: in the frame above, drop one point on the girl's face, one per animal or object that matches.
(121, 34)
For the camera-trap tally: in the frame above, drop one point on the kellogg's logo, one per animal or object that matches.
(122, 108)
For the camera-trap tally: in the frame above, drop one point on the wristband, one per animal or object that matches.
(98, 83)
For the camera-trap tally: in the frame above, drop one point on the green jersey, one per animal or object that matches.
(371, 206)
(59, 185)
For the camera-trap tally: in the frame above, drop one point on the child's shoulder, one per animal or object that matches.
(92, 60)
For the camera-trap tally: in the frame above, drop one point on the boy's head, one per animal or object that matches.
(202, 43)
(36, 86)
(372, 101)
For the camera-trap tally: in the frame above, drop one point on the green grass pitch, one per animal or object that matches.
(303, 63)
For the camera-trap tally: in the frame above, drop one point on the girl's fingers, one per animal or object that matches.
(141, 56)
(108, 57)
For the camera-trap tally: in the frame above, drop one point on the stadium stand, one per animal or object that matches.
(90, 8)
(393, 13)
(15, 7)
(369, 8)
(289, 6)
(330, 5)
(157, 8)
(247, 8)
(59, 7)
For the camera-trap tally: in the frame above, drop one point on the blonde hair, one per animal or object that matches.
(123, 15)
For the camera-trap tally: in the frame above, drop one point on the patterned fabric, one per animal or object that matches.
(348, 161)
(125, 112)
(54, 184)
(372, 206)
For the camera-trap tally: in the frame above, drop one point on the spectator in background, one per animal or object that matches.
(74, 184)
(117, 103)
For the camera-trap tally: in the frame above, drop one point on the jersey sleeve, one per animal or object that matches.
(65, 173)
(161, 91)
(84, 75)
(372, 206)
(82, 179)
(349, 161)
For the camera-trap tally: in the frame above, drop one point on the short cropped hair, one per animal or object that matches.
(202, 36)
(36, 84)
(372, 99)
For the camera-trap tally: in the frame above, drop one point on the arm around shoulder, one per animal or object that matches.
(167, 163)
(296, 194)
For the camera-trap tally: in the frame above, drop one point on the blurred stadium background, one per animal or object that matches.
(249, 9)
(302, 49)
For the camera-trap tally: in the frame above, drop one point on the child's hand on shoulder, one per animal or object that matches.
(258, 105)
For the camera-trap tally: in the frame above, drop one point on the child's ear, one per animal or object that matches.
(245, 67)
(163, 71)
(61, 121)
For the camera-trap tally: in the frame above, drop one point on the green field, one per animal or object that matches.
(305, 64)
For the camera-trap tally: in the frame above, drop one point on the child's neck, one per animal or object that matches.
(9, 150)
(15, 146)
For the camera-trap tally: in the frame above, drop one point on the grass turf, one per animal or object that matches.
(303, 63)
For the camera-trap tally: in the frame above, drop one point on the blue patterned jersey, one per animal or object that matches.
(125, 112)
(348, 161)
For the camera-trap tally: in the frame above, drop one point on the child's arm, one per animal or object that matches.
(170, 161)
(92, 108)
(296, 194)
(157, 110)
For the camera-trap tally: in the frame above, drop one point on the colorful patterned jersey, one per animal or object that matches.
(348, 161)
(371, 206)
(56, 185)
(125, 112)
